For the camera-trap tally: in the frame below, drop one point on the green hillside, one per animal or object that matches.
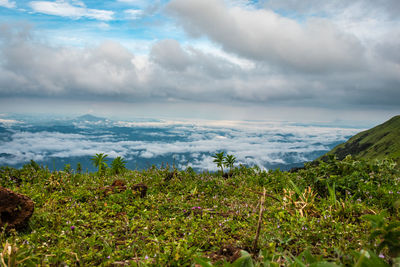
(338, 213)
(377, 143)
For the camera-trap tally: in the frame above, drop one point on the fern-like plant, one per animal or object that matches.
(118, 165)
(219, 160)
(99, 161)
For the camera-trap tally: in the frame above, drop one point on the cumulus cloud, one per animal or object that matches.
(75, 10)
(242, 73)
(8, 4)
(32, 68)
(263, 35)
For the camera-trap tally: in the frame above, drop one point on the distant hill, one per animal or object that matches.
(88, 117)
(376, 143)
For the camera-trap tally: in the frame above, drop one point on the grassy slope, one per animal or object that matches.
(190, 215)
(377, 143)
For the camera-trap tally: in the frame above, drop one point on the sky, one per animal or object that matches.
(308, 60)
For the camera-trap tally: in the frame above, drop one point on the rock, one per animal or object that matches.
(117, 186)
(15, 209)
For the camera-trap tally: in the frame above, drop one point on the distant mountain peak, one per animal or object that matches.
(376, 143)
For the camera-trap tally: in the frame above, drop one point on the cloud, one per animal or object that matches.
(133, 13)
(253, 143)
(263, 35)
(8, 4)
(387, 8)
(72, 10)
(8, 122)
(134, 2)
(32, 68)
(180, 73)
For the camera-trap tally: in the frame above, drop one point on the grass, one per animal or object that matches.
(379, 142)
(314, 215)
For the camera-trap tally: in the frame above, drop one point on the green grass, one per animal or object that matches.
(382, 141)
(313, 215)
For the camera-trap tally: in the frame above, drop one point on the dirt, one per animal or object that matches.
(15, 209)
(227, 252)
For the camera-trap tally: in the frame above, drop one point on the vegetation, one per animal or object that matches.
(118, 165)
(99, 161)
(222, 161)
(229, 162)
(219, 160)
(337, 213)
(382, 141)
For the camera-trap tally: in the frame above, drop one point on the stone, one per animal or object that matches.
(15, 209)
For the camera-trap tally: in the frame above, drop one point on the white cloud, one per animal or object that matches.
(133, 2)
(253, 143)
(133, 13)
(8, 122)
(263, 35)
(75, 10)
(184, 74)
(8, 4)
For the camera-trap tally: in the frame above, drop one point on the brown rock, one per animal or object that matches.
(15, 209)
(116, 187)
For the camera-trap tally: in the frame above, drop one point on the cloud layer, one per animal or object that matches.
(186, 143)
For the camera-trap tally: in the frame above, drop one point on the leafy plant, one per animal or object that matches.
(99, 161)
(388, 234)
(118, 165)
(67, 168)
(245, 260)
(219, 159)
(79, 168)
(229, 161)
(12, 256)
(367, 258)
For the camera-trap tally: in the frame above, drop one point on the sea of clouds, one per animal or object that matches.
(182, 143)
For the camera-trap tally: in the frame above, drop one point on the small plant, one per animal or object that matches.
(118, 165)
(67, 168)
(219, 159)
(388, 234)
(34, 165)
(229, 160)
(79, 168)
(301, 202)
(224, 161)
(12, 256)
(245, 260)
(99, 161)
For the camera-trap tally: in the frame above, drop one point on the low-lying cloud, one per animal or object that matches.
(187, 143)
